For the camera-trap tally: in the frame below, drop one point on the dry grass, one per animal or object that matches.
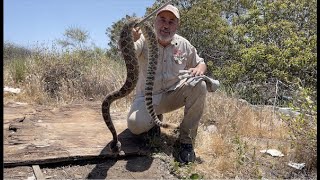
(242, 131)
(232, 151)
(53, 78)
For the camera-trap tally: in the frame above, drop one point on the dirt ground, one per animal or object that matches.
(152, 166)
(158, 163)
(130, 168)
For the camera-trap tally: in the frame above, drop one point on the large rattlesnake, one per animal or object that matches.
(126, 44)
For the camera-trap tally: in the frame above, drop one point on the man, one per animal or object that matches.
(170, 93)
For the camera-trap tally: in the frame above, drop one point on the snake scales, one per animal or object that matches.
(126, 44)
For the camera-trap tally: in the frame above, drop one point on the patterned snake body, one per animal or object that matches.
(126, 44)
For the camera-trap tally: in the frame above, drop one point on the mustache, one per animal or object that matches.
(165, 30)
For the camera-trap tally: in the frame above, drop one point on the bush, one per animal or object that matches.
(303, 128)
(18, 70)
(13, 51)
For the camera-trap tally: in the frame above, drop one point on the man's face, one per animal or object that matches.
(166, 25)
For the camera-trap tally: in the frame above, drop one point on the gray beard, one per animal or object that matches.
(166, 39)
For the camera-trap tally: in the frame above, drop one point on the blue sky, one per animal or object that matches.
(28, 22)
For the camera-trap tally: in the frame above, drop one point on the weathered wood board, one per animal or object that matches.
(40, 135)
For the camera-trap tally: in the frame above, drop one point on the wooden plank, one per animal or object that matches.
(37, 172)
(68, 133)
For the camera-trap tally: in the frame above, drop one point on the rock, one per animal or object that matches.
(297, 165)
(273, 152)
(12, 90)
(211, 129)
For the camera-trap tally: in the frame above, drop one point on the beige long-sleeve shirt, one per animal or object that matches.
(179, 55)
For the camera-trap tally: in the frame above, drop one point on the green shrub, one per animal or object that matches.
(12, 51)
(303, 128)
(18, 70)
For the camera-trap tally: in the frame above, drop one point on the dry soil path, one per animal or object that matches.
(71, 142)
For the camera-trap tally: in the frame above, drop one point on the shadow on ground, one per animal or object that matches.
(166, 144)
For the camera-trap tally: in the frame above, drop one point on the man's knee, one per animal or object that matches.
(201, 88)
(137, 126)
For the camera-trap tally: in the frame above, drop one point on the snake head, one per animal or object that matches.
(115, 146)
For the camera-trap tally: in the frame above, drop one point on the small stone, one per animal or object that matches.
(211, 129)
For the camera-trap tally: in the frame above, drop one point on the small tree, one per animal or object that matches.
(113, 33)
(74, 37)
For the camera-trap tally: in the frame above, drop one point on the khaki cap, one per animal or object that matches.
(172, 9)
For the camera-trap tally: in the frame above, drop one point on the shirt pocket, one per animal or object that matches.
(179, 61)
(179, 57)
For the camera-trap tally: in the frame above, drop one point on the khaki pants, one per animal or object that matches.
(190, 97)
